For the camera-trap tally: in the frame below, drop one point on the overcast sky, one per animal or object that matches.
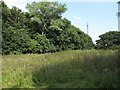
(101, 15)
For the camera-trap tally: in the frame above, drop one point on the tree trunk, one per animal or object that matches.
(42, 32)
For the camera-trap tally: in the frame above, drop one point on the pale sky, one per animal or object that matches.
(101, 15)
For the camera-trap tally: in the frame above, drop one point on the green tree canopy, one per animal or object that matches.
(107, 40)
(40, 30)
(44, 12)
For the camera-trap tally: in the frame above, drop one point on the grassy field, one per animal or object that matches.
(67, 69)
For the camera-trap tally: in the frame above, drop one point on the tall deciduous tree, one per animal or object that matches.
(44, 12)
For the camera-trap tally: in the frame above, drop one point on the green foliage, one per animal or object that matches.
(109, 40)
(67, 69)
(65, 36)
(44, 12)
(5, 15)
(17, 41)
(17, 18)
(41, 30)
(44, 44)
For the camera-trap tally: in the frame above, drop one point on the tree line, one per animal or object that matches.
(41, 30)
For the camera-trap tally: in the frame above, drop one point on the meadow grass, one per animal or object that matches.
(67, 69)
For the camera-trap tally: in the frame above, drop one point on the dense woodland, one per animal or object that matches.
(42, 29)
